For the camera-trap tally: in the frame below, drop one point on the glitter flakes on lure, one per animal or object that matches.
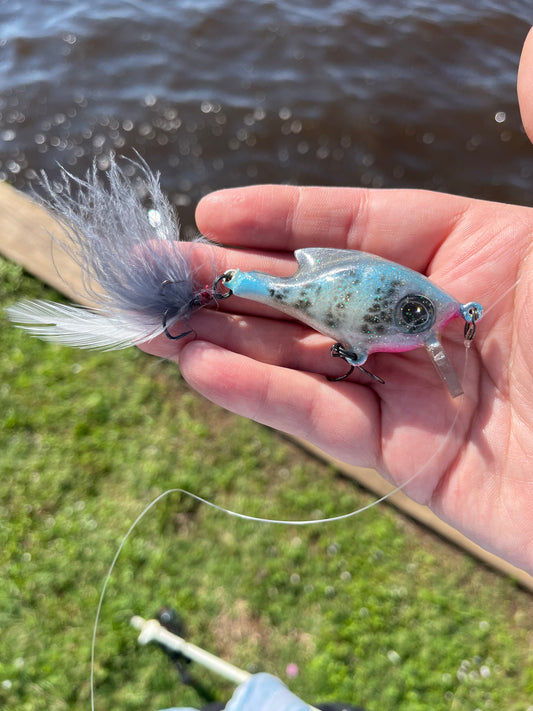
(366, 304)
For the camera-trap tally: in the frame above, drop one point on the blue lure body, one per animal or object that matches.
(367, 304)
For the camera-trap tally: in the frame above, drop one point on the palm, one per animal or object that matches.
(469, 455)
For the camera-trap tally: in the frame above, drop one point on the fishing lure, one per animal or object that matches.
(367, 304)
(141, 287)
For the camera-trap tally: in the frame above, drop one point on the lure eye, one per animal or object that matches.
(414, 314)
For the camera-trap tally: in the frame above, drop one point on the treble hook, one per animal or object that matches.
(338, 351)
(372, 375)
(342, 377)
(167, 332)
(199, 300)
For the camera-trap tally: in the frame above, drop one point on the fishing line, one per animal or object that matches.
(264, 520)
(147, 282)
(248, 517)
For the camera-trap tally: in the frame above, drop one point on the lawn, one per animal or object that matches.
(374, 610)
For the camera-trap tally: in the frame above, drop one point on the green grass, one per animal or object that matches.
(374, 610)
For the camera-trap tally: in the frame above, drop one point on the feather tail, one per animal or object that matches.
(74, 326)
(135, 269)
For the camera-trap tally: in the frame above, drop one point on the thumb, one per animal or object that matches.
(525, 85)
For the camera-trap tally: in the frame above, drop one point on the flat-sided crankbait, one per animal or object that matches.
(141, 280)
(365, 303)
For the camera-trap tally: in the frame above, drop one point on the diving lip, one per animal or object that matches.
(444, 366)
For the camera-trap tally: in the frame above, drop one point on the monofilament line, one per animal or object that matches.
(247, 517)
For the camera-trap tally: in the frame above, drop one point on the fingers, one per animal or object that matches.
(292, 345)
(288, 344)
(341, 418)
(206, 261)
(525, 85)
(406, 226)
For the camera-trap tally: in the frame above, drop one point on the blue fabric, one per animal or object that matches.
(262, 692)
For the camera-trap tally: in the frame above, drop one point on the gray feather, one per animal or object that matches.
(135, 281)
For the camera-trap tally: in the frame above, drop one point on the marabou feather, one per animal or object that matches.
(137, 283)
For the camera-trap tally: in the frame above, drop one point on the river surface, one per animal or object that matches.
(218, 93)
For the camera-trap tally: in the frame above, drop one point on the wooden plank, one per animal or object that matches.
(371, 480)
(26, 232)
(26, 237)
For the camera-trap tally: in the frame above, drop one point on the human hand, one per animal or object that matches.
(271, 369)
(472, 456)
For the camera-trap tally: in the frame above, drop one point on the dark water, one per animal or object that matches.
(217, 93)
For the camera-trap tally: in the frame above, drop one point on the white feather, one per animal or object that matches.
(78, 326)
